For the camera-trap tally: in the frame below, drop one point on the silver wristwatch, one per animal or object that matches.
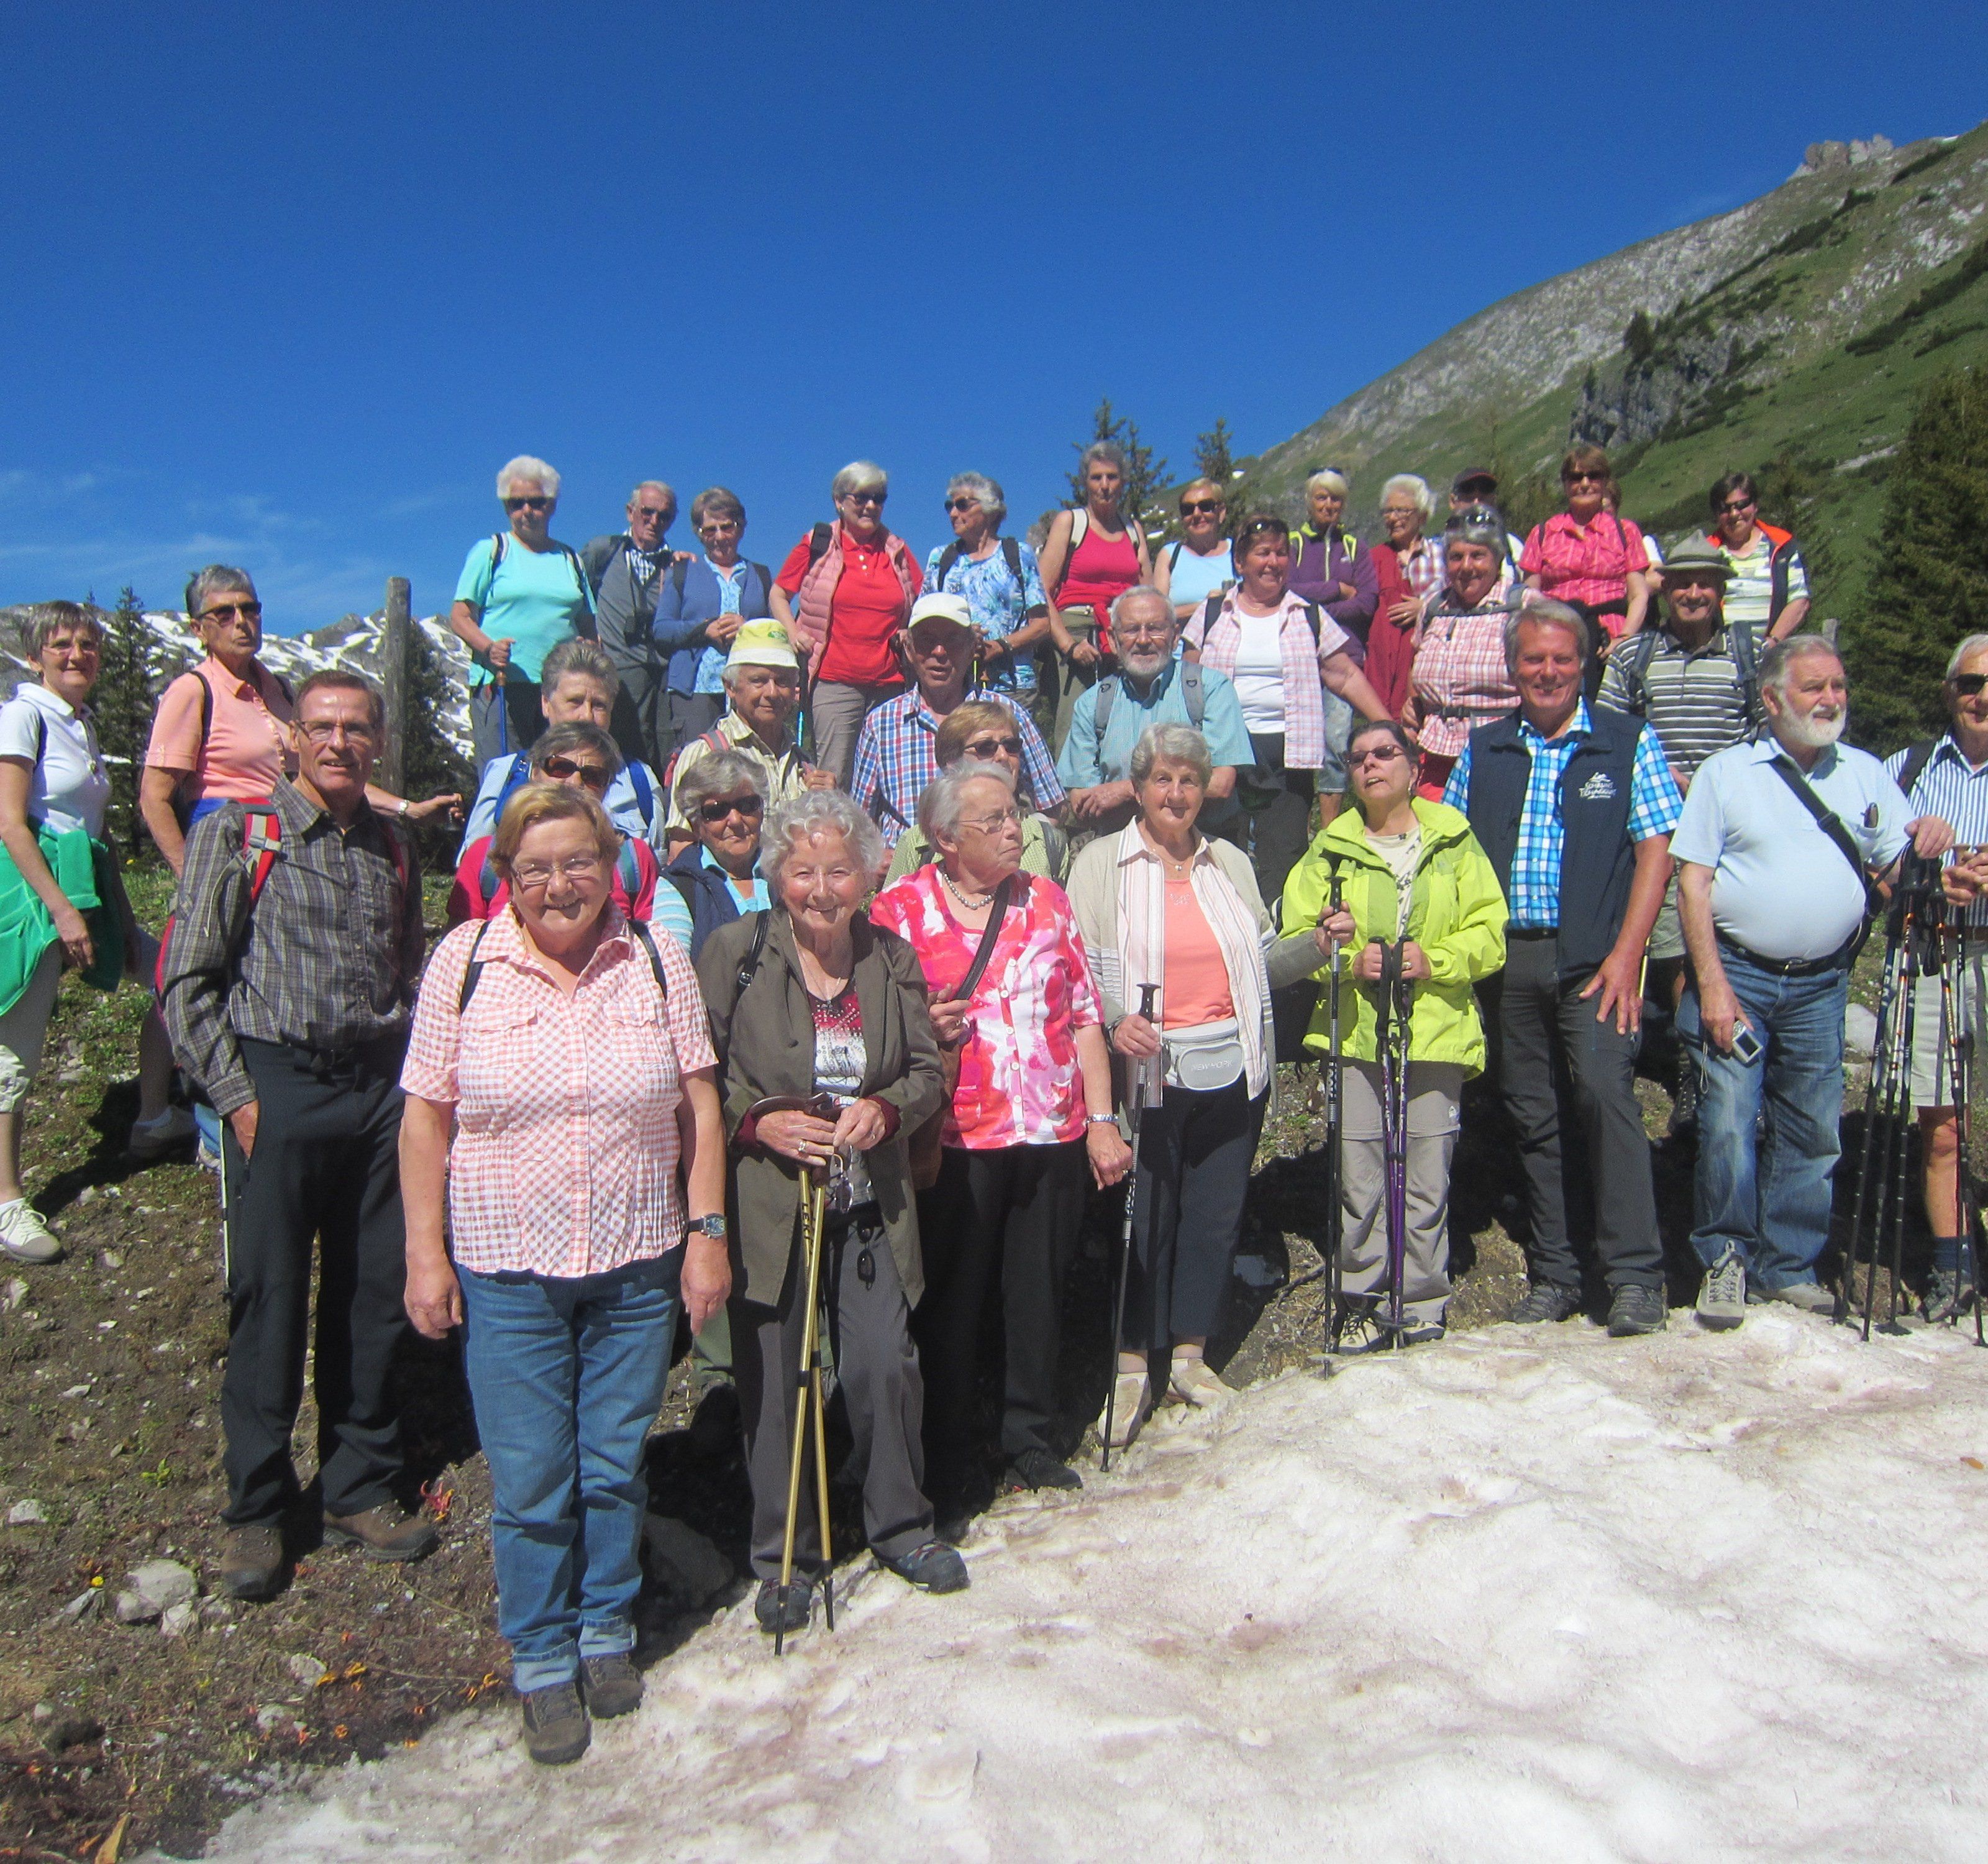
(712, 1225)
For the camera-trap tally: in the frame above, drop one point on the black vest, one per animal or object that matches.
(1597, 859)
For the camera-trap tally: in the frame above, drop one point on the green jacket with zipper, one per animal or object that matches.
(1456, 914)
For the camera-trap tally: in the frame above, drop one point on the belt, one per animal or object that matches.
(1531, 932)
(866, 1215)
(1838, 960)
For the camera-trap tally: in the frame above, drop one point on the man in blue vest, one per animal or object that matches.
(1575, 807)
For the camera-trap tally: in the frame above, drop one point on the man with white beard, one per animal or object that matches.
(1779, 842)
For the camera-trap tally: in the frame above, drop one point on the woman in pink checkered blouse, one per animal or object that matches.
(571, 1053)
(1461, 679)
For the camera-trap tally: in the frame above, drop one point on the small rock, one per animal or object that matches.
(27, 1514)
(68, 1729)
(272, 1715)
(306, 1668)
(134, 1608)
(683, 1563)
(217, 1611)
(155, 1588)
(44, 1712)
(176, 1620)
(1859, 1032)
(15, 1292)
(111, 1259)
(84, 1604)
(87, 1195)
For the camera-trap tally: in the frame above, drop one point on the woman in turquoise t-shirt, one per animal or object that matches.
(520, 594)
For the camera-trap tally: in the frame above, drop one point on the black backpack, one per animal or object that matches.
(1633, 657)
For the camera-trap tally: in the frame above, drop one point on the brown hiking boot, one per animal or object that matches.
(251, 1562)
(612, 1685)
(384, 1532)
(554, 1724)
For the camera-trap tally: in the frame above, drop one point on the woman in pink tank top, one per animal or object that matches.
(1093, 555)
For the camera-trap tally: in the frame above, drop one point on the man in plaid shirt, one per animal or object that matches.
(896, 753)
(1575, 809)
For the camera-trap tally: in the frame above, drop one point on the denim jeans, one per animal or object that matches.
(567, 1376)
(1770, 1197)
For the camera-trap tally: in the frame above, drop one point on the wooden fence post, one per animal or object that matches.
(393, 642)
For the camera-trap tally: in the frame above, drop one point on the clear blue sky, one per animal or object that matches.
(286, 284)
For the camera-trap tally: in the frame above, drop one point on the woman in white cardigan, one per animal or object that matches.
(1160, 904)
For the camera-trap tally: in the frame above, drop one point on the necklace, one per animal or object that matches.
(971, 905)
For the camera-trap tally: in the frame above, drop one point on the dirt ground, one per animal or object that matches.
(116, 1736)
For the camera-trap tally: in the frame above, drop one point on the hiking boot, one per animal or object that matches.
(933, 1568)
(1424, 1336)
(1133, 1398)
(555, 1728)
(799, 1604)
(385, 1532)
(1636, 1310)
(714, 1427)
(1546, 1301)
(25, 1236)
(251, 1562)
(1811, 1297)
(1036, 1469)
(1194, 1381)
(612, 1685)
(1721, 1296)
(160, 1134)
(1949, 1293)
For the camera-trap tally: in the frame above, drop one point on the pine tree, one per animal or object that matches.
(122, 704)
(1143, 473)
(431, 764)
(1929, 587)
(1210, 454)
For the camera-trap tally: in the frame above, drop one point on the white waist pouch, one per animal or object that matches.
(1203, 1056)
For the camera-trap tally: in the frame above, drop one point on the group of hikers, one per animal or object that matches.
(824, 940)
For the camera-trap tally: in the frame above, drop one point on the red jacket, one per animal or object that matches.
(1390, 648)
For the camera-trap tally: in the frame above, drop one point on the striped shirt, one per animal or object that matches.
(1956, 791)
(1693, 698)
(1749, 591)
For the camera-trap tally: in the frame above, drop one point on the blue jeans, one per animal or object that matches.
(567, 1376)
(1769, 1198)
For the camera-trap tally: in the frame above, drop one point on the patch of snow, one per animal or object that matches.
(1532, 1594)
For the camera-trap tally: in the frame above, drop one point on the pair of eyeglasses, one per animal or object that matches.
(717, 527)
(1380, 753)
(529, 875)
(866, 498)
(1736, 505)
(537, 504)
(716, 808)
(660, 514)
(962, 504)
(324, 731)
(1970, 685)
(227, 611)
(1200, 508)
(1584, 479)
(989, 825)
(984, 748)
(564, 770)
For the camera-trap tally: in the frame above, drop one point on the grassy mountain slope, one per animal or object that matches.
(1800, 327)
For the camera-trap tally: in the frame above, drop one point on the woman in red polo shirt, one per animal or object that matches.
(843, 594)
(1588, 557)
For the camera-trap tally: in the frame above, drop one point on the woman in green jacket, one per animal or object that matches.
(1410, 870)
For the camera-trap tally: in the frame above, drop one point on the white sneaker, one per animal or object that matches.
(25, 1236)
(1195, 1383)
(150, 1137)
(1132, 1400)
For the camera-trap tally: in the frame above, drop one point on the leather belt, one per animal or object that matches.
(1838, 960)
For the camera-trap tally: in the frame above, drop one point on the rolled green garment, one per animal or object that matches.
(27, 928)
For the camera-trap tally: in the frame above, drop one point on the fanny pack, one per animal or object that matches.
(1203, 1056)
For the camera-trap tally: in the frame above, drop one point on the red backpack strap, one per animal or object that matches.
(261, 837)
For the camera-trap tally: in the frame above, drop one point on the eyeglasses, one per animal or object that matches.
(537, 504)
(987, 747)
(717, 527)
(989, 825)
(1380, 753)
(866, 498)
(959, 504)
(660, 514)
(1737, 505)
(1583, 478)
(530, 875)
(1200, 508)
(227, 611)
(1970, 685)
(563, 770)
(714, 809)
(325, 731)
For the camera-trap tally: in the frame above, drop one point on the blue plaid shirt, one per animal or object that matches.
(897, 755)
(1655, 806)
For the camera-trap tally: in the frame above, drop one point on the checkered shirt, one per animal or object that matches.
(565, 1158)
(897, 755)
(1422, 568)
(1461, 678)
(1655, 806)
(1591, 564)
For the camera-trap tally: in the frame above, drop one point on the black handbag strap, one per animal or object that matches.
(984, 955)
(1831, 825)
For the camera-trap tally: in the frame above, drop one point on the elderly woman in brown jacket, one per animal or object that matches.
(809, 998)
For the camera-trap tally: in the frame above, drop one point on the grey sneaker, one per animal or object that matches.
(1721, 1296)
(1547, 1300)
(1636, 1310)
(1811, 1297)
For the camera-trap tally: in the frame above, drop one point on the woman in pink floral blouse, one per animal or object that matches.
(1033, 1106)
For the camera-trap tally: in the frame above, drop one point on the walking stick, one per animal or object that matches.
(503, 716)
(1393, 1044)
(1958, 1034)
(1137, 1098)
(1335, 1166)
(1876, 1093)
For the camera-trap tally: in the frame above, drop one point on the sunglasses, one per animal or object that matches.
(866, 498)
(1970, 685)
(1380, 753)
(537, 504)
(962, 504)
(227, 611)
(1737, 505)
(1583, 478)
(660, 514)
(563, 770)
(1193, 508)
(715, 809)
(984, 748)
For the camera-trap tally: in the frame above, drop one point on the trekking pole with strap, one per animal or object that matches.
(1137, 1097)
(1876, 1088)
(1394, 1050)
(503, 715)
(1335, 1110)
(1958, 1033)
(1899, 1105)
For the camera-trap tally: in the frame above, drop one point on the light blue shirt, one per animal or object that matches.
(623, 804)
(1780, 887)
(1085, 764)
(670, 912)
(1953, 790)
(756, 900)
(1194, 579)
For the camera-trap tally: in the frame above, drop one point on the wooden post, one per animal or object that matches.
(394, 641)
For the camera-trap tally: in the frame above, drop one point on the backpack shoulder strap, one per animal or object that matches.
(1011, 549)
(748, 968)
(1079, 524)
(1209, 610)
(1635, 655)
(648, 939)
(206, 710)
(1312, 622)
(262, 835)
(628, 870)
(679, 575)
(645, 793)
(1916, 760)
(472, 972)
(1194, 692)
(1174, 555)
(498, 539)
(1103, 693)
(947, 558)
(818, 541)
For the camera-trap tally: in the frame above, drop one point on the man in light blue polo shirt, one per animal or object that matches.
(1149, 688)
(1772, 896)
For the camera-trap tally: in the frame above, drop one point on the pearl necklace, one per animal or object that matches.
(970, 906)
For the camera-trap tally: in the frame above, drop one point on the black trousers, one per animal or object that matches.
(326, 1167)
(1195, 1153)
(1270, 820)
(1005, 1220)
(1557, 1067)
(640, 725)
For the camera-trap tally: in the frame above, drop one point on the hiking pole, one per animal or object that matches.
(1137, 1097)
(503, 715)
(1958, 1035)
(1897, 1106)
(1394, 1126)
(1868, 1150)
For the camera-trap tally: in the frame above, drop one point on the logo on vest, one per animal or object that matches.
(1599, 788)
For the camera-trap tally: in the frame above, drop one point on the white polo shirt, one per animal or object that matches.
(69, 787)
(1780, 887)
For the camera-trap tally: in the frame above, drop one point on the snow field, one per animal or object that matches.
(1532, 1594)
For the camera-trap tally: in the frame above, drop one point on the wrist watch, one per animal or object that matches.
(712, 1225)
(401, 813)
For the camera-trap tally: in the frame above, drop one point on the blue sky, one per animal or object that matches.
(286, 285)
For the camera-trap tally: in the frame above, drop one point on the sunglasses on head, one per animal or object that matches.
(563, 770)
(537, 504)
(1970, 685)
(716, 808)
